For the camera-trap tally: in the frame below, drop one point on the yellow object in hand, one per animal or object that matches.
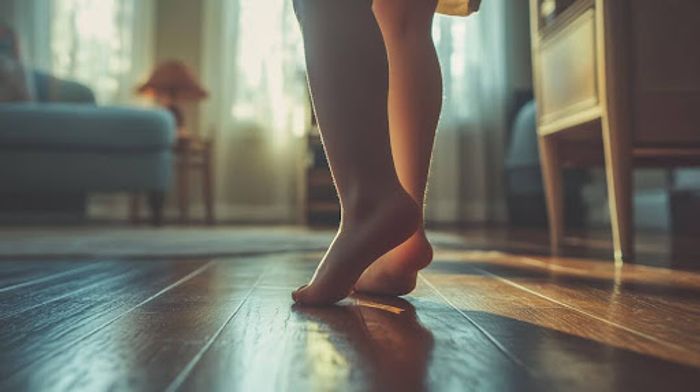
(458, 7)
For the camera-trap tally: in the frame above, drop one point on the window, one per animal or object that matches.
(270, 88)
(95, 42)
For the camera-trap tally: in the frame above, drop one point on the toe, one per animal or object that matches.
(297, 295)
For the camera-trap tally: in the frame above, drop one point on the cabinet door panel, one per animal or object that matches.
(568, 70)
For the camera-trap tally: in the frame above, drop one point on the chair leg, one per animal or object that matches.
(553, 183)
(156, 201)
(183, 186)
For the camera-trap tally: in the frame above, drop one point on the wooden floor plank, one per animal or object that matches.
(365, 344)
(641, 316)
(41, 333)
(69, 285)
(664, 306)
(477, 321)
(487, 366)
(17, 275)
(150, 344)
(561, 345)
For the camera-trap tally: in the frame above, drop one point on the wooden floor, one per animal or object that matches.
(485, 321)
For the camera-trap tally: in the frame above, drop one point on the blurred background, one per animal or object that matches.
(120, 113)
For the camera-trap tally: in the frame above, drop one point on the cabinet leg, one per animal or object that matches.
(618, 172)
(554, 191)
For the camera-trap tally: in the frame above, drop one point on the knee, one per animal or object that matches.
(405, 19)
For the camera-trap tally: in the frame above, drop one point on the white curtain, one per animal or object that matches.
(30, 20)
(105, 44)
(253, 62)
(465, 179)
(259, 108)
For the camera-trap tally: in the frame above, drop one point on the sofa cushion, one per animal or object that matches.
(75, 127)
(49, 88)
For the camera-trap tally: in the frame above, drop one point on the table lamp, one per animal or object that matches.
(171, 84)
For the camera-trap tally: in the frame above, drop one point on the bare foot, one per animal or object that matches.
(396, 272)
(364, 235)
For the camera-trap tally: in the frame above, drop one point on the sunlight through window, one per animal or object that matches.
(91, 42)
(271, 62)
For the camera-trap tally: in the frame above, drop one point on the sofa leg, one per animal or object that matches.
(156, 201)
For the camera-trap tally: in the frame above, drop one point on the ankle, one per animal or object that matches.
(391, 201)
(359, 201)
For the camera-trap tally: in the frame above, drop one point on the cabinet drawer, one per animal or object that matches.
(567, 70)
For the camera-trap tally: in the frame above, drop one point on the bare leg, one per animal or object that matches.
(415, 101)
(348, 75)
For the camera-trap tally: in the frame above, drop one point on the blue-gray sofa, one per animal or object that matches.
(62, 143)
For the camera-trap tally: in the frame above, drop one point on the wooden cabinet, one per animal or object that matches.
(617, 84)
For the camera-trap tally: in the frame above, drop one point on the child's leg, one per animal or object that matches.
(348, 75)
(415, 101)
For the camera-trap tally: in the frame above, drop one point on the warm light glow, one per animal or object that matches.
(461, 61)
(328, 364)
(89, 44)
(380, 306)
(271, 91)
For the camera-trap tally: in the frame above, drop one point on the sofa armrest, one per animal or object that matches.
(52, 89)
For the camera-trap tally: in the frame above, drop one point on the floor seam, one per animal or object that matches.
(113, 320)
(46, 278)
(587, 314)
(187, 370)
(67, 295)
(481, 329)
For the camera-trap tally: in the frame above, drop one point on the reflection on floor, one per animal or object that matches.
(479, 320)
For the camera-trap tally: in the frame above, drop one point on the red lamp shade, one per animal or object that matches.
(171, 83)
(174, 81)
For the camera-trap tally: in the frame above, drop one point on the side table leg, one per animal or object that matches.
(135, 208)
(208, 188)
(183, 186)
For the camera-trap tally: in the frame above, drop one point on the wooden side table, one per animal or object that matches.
(191, 154)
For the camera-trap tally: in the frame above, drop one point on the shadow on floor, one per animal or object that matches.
(390, 348)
